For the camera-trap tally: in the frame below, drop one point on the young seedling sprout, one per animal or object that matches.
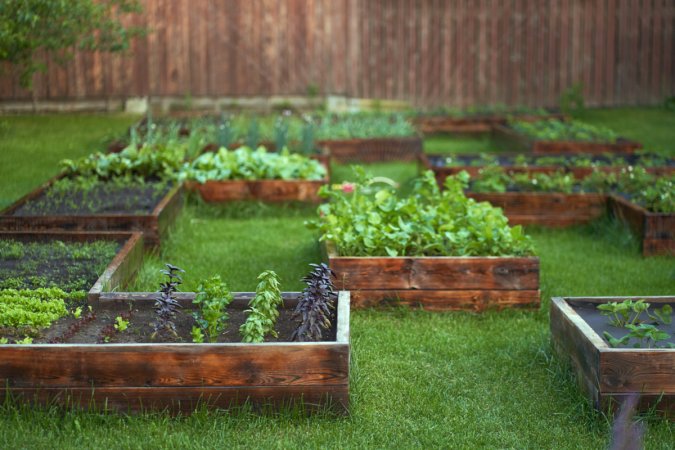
(315, 304)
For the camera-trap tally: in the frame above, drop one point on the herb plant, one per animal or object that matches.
(213, 297)
(366, 219)
(263, 309)
(316, 303)
(166, 304)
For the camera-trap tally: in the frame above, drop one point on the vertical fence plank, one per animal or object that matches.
(430, 52)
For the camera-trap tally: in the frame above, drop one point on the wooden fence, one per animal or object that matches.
(429, 52)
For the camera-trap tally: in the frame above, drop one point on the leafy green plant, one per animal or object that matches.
(166, 304)
(213, 297)
(150, 162)
(263, 309)
(32, 29)
(315, 304)
(633, 315)
(121, 324)
(572, 99)
(197, 335)
(29, 310)
(557, 130)
(366, 219)
(247, 164)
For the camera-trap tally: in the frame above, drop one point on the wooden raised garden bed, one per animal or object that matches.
(438, 283)
(656, 231)
(119, 272)
(436, 163)
(473, 124)
(180, 376)
(544, 147)
(261, 190)
(374, 149)
(543, 208)
(153, 224)
(608, 375)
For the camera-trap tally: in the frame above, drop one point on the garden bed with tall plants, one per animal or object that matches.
(438, 251)
(619, 348)
(555, 136)
(133, 190)
(180, 351)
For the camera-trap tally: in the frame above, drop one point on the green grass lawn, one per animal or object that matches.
(32, 146)
(418, 379)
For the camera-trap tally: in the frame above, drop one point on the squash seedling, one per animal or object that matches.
(630, 314)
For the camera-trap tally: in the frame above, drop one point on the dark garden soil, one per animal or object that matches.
(102, 198)
(98, 327)
(70, 266)
(600, 324)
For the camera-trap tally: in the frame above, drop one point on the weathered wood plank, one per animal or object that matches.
(186, 399)
(478, 300)
(655, 230)
(173, 365)
(548, 209)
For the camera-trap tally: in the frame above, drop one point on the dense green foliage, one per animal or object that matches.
(287, 130)
(26, 311)
(212, 298)
(247, 164)
(656, 193)
(363, 125)
(71, 266)
(29, 29)
(640, 159)
(150, 162)
(556, 130)
(263, 309)
(365, 220)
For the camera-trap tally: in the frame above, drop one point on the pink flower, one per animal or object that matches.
(348, 188)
